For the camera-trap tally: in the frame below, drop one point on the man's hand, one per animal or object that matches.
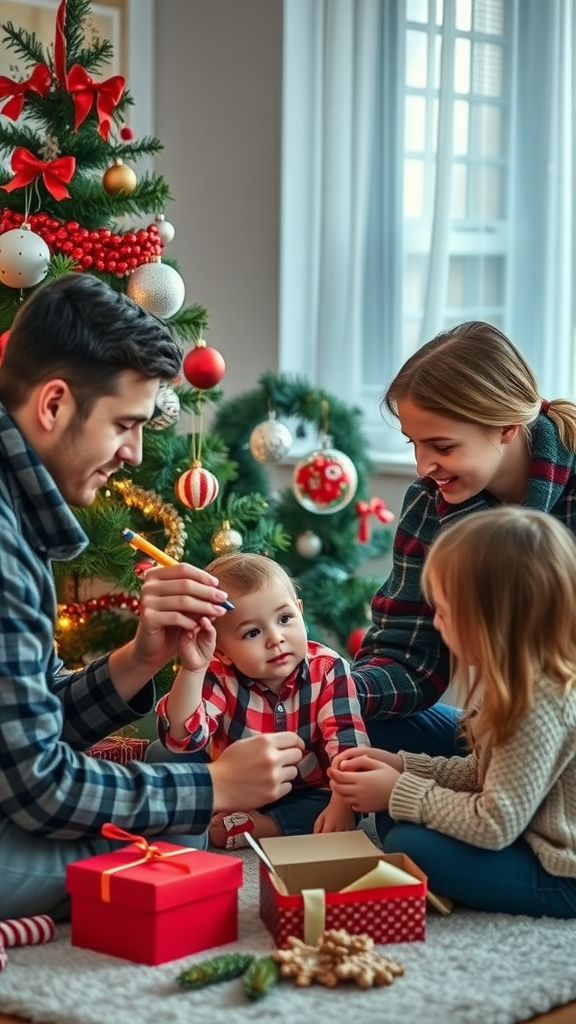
(174, 599)
(255, 771)
(366, 788)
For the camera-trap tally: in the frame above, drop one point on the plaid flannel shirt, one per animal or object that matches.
(49, 716)
(403, 666)
(318, 701)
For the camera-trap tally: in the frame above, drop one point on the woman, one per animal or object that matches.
(469, 404)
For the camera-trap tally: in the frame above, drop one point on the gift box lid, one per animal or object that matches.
(156, 884)
(329, 861)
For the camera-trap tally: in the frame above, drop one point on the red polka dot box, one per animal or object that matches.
(340, 880)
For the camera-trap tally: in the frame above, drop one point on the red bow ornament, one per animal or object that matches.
(55, 173)
(60, 45)
(83, 90)
(39, 82)
(374, 507)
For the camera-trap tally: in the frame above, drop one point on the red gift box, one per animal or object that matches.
(304, 896)
(151, 904)
(120, 749)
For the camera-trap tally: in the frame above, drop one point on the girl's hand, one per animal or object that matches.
(354, 758)
(197, 645)
(367, 788)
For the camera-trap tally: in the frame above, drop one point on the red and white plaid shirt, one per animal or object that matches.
(318, 701)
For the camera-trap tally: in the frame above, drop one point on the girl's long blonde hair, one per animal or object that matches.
(474, 373)
(508, 576)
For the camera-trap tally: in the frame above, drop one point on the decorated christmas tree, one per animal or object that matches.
(71, 201)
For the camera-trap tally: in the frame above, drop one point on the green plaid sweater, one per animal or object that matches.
(403, 665)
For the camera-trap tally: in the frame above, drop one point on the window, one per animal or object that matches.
(427, 180)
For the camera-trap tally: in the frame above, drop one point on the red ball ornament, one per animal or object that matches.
(3, 341)
(141, 568)
(197, 488)
(203, 367)
(354, 641)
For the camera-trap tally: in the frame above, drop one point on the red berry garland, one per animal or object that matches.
(101, 249)
(76, 613)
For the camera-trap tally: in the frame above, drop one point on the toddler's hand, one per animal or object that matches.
(197, 645)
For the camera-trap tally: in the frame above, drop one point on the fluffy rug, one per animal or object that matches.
(472, 967)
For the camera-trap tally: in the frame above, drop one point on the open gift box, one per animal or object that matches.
(154, 908)
(340, 880)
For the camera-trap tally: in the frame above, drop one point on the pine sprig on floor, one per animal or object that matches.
(218, 968)
(260, 977)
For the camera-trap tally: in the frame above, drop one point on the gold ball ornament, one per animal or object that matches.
(226, 540)
(119, 178)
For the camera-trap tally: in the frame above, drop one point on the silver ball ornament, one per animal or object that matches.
(308, 544)
(167, 408)
(270, 440)
(157, 287)
(166, 230)
(24, 258)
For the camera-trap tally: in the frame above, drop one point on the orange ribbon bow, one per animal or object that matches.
(84, 89)
(375, 507)
(55, 173)
(38, 82)
(150, 853)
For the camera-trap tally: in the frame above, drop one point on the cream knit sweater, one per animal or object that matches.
(525, 787)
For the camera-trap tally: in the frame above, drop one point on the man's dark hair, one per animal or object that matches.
(79, 329)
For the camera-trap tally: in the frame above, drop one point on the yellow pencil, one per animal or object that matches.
(135, 540)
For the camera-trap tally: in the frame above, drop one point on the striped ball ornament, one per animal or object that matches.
(197, 488)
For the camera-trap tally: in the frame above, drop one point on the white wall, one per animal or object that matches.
(217, 111)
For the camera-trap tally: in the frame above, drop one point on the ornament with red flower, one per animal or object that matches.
(325, 481)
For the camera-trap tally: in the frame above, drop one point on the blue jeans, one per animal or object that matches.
(510, 881)
(433, 732)
(33, 873)
(294, 814)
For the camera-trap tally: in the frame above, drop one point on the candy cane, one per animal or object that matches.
(27, 931)
(3, 957)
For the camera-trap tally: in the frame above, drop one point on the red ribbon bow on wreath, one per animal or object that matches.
(55, 173)
(375, 507)
(83, 89)
(38, 82)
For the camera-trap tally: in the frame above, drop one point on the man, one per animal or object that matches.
(78, 380)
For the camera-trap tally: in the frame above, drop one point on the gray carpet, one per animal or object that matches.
(472, 969)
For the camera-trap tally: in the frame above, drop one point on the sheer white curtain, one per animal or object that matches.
(332, 98)
(343, 306)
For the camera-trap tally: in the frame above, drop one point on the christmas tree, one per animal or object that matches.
(72, 202)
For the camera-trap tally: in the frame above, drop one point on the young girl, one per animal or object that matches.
(255, 671)
(495, 830)
(469, 405)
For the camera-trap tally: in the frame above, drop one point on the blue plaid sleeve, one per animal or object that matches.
(47, 785)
